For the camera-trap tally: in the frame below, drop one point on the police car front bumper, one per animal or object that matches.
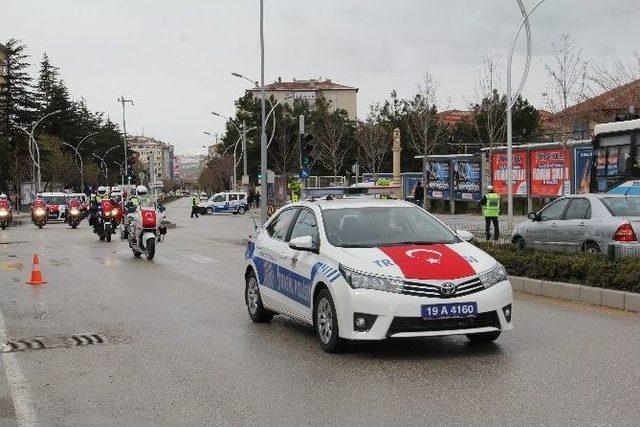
(389, 314)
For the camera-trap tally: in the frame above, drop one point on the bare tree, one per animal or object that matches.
(330, 129)
(566, 74)
(374, 143)
(489, 109)
(601, 78)
(424, 129)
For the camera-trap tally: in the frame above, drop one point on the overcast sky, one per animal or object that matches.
(174, 58)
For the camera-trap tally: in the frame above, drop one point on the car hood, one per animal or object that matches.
(419, 262)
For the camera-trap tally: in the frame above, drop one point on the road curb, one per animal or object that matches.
(622, 300)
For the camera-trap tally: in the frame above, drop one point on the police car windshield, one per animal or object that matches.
(54, 200)
(379, 226)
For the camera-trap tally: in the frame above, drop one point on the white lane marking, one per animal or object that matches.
(25, 415)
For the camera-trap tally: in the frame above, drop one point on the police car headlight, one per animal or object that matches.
(358, 280)
(495, 275)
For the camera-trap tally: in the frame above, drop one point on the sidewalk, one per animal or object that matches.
(475, 223)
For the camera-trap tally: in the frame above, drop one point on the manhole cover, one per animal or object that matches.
(44, 343)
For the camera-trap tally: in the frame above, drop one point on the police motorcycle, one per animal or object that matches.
(39, 213)
(105, 222)
(74, 214)
(5, 212)
(144, 227)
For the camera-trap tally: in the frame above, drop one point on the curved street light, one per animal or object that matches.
(77, 151)
(32, 141)
(511, 101)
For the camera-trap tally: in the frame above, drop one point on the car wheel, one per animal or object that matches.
(241, 210)
(252, 298)
(326, 323)
(209, 211)
(484, 337)
(591, 247)
(520, 243)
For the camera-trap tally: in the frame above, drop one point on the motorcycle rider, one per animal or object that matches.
(132, 206)
(94, 204)
(5, 206)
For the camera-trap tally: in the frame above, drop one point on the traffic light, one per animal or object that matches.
(306, 151)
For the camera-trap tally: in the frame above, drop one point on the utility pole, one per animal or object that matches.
(263, 133)
(245, 177)
(300, 144)
(124, 131)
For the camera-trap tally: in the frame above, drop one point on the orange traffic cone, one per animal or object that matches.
(36, 275)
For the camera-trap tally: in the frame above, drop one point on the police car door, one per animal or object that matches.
(301, 263)
(273, 249)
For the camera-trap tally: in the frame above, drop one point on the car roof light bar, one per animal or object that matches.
(339, 192)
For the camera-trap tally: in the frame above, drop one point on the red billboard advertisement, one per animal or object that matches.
(550, 172)
(499, 172)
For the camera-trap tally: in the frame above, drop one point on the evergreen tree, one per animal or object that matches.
(16, 110)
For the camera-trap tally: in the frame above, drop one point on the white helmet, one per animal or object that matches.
(3, 196)
(489, 187)
(102, 190)
(141, 190)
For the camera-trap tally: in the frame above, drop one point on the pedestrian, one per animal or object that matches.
(257, 200)
(250, 198)
(194, 206)
(490, 210)
(418, 193)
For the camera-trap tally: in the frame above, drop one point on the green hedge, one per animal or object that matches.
(581, 268)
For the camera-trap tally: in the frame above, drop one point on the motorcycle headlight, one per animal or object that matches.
(114, 212)
(4, 213)
(494, 275)
(107, 213)
(39, 212)
(358, 280)
(74, 211)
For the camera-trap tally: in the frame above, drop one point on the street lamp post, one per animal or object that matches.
(77, 151)
(124, 101)
(263, 134)
(34, 144)
(104, 165)
(510, 101)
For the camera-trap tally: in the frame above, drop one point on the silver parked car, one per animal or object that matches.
(581, 222)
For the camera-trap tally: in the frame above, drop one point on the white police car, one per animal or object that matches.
(369, 269)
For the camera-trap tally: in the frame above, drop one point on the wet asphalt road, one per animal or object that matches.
(181, 350)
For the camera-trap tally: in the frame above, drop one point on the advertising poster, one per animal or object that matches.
(467, 180)
(582, 162)
(499, 172)
(550, 172)
(409, 181)
(437, 179)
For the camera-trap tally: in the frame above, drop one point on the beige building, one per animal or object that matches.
(339, 96)
(161, 153)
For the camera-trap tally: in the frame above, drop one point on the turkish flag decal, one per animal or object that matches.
(429, 262)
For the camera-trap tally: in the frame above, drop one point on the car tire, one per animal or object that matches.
(241, 210)
(252, 299)
(208, 211)
(326, 323)
(519, 242)
(484, 337)
(591, 247)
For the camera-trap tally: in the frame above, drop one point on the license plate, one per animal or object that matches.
(450, 310)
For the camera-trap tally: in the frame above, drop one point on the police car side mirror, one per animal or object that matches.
(465, 235)
(533, 216)
(303, 243)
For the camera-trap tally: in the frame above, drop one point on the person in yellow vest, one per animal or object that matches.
(491, 210)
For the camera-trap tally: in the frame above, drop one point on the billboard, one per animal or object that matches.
(409, 181)
(499, 172)
(467, 180)
(438, 185)
(582, 161)
(550, 172)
